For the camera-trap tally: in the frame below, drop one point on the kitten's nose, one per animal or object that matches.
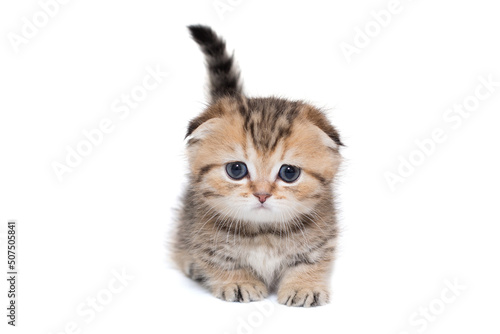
(262, 196)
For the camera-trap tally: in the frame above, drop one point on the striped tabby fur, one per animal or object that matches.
(239, 248)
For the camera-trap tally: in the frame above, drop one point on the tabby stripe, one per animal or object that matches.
(215, 264)
(213, 254)
(200, 279)
(210, 194)
(204, 170)
(302, 260)
(318, 177)
(193, 141)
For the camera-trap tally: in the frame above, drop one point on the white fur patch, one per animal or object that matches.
(264, 262)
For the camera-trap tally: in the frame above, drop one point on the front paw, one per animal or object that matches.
(303, 296)
(241, 292)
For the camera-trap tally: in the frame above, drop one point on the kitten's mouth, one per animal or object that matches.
(262, 206)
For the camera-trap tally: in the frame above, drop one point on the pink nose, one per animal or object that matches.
(262, 196)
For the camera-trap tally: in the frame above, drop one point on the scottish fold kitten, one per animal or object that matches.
(258, 214)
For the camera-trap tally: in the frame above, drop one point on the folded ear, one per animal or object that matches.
(203, 130)
(212, 112)
(319, 119)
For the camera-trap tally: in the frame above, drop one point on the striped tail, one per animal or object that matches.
(223, 74)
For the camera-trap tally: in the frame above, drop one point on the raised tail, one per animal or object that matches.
(223, 74)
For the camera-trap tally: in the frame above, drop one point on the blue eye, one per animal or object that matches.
(289, 173)
(236, 170)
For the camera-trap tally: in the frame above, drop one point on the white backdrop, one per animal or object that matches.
(412, 86)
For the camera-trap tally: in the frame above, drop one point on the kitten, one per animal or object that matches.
(258, 214)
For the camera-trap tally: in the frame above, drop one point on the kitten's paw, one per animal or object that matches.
(303, 297)
(241, 292)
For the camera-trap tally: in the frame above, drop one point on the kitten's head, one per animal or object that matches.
(262, 160)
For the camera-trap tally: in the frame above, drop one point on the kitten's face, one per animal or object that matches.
(236, 156)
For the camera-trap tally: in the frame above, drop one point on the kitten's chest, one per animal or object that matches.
(264, 260)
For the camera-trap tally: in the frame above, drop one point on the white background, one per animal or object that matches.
(114, 210)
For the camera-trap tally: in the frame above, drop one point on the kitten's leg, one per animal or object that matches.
(225, 280)
(185, 262)
(233, 285)
(305, 285)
